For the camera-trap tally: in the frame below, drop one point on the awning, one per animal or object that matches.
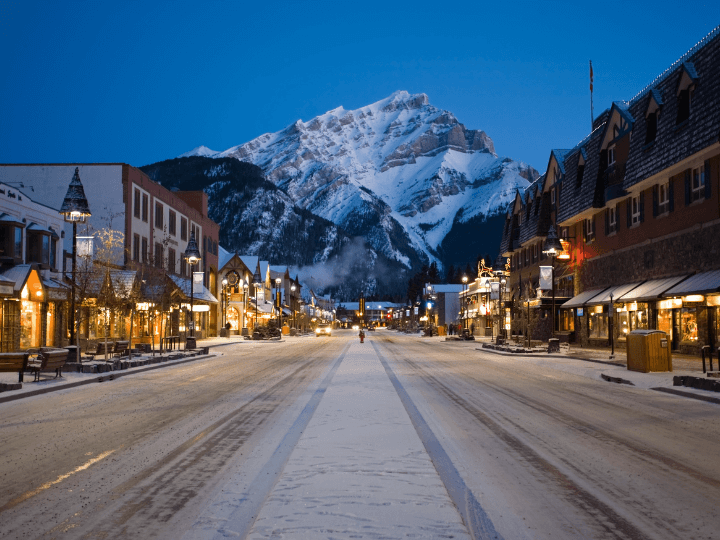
(617, 291)
(650, 290)
(184, 286)
(581, 298)
(702, 283)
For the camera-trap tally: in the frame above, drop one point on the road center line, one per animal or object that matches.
(242, 519)
(473, 514)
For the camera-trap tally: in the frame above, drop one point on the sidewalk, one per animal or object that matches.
(358, 469)
(71, 379)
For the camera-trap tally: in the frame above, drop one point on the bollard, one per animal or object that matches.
(703, 357)
(710, 355)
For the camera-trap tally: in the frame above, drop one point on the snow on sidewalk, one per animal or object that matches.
(359, 469)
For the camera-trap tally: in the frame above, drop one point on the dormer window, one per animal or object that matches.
(611, 155)
(685, 88)
(580, 169)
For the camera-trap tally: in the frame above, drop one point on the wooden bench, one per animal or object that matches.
(100, 349)
(48, 360)
(14, 361)
(120, 348)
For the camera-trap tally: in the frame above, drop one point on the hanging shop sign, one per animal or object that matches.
(545, 278)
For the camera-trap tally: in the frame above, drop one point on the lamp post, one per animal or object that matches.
(465, 301)
(246, 293)
(257, 283)
(503, 281)
(225, 301)
(488, 311)
(292, 305)
(75, 209)
(552, 247)
(192, 256)
(278, 301)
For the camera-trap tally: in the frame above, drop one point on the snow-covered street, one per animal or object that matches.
(400, 437)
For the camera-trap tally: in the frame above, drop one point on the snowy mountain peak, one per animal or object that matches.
(203, 151)
(399, 172)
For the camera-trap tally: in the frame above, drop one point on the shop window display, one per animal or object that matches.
(632, 317)
(598, 321)
(688, 324)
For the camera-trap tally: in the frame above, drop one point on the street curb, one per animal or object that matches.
(109, 377)
(687, 394)
(617, 380)
(543, 355)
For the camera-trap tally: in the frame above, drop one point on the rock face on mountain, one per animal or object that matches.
(409, 178)
(255, 216)
(258, 218)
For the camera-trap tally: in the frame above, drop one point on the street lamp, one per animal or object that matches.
(465, 300)
(74, 209)
(488, 311)
(292, 305)
(257, 283)
(225, 301)
(192, 256)
(246, 291)
(278, 300)
(552, 247)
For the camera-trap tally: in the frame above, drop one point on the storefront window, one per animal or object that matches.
(50, 341)
(665, 321)
(598, 323)
(233, 318)
(688, 324)
(29, 324)
(567, 320)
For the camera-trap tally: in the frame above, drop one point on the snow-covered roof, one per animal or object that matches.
(251, 261)
(224, 257)
(447, 288)
(184, 286)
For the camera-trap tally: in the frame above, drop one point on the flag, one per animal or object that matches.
(591, 76)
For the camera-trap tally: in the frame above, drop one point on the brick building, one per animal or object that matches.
(636, 204)
(155, 224)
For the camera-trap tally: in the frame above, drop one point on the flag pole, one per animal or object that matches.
(592, 115)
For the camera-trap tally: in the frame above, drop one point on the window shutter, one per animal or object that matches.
(584, 228)
(687, 187)
(629, 212)
(607, 222)
(642, 206)
(708, 184)
(655, 201)
(671, 193)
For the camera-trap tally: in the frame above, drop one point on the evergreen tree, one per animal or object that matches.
(451, 277)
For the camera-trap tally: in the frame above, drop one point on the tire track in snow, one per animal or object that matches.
(610, 521)
(474, 516)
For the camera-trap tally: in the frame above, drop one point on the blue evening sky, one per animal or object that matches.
(139, 82)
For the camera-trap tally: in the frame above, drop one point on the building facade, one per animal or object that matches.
(33, 311)
(636, 203)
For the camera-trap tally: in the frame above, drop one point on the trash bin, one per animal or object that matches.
(553, 345)
(648, 350)
(190, 343)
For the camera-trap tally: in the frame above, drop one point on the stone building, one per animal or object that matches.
(636, 205)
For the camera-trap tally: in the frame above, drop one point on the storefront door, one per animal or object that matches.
(675, 329)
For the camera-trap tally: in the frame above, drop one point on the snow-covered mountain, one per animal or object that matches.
(403, 174)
